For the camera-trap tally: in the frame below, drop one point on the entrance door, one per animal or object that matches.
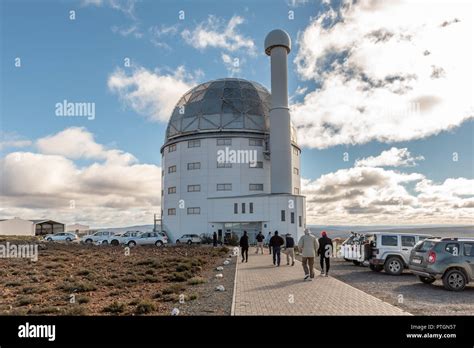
(219, 235)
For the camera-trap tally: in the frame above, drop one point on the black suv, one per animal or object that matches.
(451, 259)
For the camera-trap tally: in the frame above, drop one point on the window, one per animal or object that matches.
(194, 188)
(224, 165)
(297, 191)
(469, 249)
(283, 218)
(408, 241)
(452, 248)
(251, 208)
(171, 190)
(236, 208)
(194, 143)
(224, 141)
(243, 208)
(390, 240)
(172, 148)
(256, 187)
(255, 142)
(172, 211)
(194, 211)
(296, 171)
(224, 187)
(425, 246)
(258, 164)
(172, 169)
(194, 165)
(292, 218)
(300, 220)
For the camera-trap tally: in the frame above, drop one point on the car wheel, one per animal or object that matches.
(190, 242)
(49, 239)
(355, 262)
(375, 268)
(347, 260)
(393, 266)
(68, 240)
(159, 243)
(454, 280)
(88, 241)
(105, 242)
(114, 242)
(131, 244)
(177, 241)
(426, 280)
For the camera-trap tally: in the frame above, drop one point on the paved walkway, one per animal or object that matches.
(263, 289)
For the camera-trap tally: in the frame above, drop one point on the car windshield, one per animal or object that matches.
(425, 246)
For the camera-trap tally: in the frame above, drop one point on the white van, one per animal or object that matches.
(391, 250)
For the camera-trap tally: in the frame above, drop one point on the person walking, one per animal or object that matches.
(214, 239)
(269, 237)
(324, 252)
(308, 246)
(290, 249)
(260, 238)
(275, 243)
(244, 247)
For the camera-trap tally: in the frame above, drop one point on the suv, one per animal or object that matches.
(101, 236)
(146, 238)
(391, 250)
(449, 259)
(121, 238)
(189, 239)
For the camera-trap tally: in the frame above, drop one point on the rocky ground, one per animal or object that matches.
(78, 279)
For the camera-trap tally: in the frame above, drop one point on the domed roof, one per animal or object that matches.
(221, 105)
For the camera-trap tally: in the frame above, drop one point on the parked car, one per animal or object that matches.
(391, 251)
(100, 237)
(122, 238)
(449, 259)
(61, 237)
(146, 238)
(189, 239)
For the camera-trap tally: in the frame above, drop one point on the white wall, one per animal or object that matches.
(17, 227)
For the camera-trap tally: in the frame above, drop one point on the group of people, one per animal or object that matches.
(308, 245)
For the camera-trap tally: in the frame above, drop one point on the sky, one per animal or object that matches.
(381, 94)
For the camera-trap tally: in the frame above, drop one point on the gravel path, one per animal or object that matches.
(406, 291)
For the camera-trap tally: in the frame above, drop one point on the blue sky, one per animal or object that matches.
(335, 102)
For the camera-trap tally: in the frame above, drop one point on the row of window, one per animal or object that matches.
(219, 142)
(236, 208)
(197, 165)
(220, 187)
(190, 211)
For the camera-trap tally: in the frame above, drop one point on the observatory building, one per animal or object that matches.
(231, 161)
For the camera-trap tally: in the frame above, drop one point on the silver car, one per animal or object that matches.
(101, 237)
(146, 238)
(61, 237)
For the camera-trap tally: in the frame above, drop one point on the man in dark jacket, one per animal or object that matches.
(214, 239)
(244, 247)
(275, 243)
(260, 238)
(290, 249)
(324, 252)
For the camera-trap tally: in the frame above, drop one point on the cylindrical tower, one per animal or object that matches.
(277, 46)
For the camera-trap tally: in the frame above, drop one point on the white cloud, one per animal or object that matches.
(389, 71)
(12, 140)
(394, 157)
(157, 33)
(216, 33)
(125, 6)
(232, 64)
(152, 93)
(127, 31)
(113, 190)
(368, 195)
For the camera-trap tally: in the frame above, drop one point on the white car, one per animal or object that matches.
(189, 239)
(146, 238)
(122, 238)
(101, 237)
(61, 236)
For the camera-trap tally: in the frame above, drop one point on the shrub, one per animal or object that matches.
(82, 299)
(173, 289)
(145, 307)
(233, 240)
(114, 307)
(206, 239)
(150, 279)
(77, 287)
(196, 280)
(180, 276)
(183, 267)
(25, 301)
(74, 310)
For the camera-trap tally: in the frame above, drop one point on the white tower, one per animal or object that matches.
(277, 46)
